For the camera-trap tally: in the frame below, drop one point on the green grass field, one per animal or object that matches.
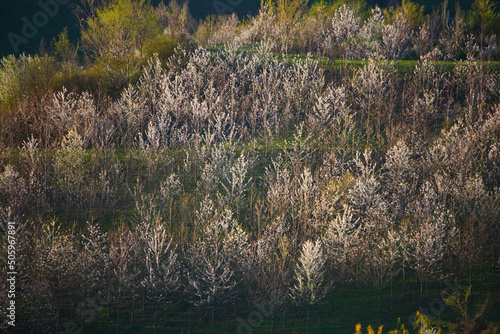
(337, 313)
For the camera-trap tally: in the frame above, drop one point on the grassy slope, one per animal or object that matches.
(335, 314)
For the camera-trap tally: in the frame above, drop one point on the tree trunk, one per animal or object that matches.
(483, 267)
(421, 291)
(212, 322)
(117, 318)
(451, 263)
(170, 213)
(272, 323)
(190, 317)
(379, 292)
(494, 258)
(307, 322)
(356, 288)
(132, 314)
(165, 316)
(404, 279)
(427, 289)
(332, 306)
(81, 327)
(156, 309)
(223, 317)
(391, 294)
(283, 317)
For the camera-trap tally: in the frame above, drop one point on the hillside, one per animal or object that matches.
(311, 169)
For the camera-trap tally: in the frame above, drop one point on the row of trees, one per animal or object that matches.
(118, 38)
(226, 93)
(237, 100)
(349, 29)
(341, 29)
(221, 262)
(208, 229)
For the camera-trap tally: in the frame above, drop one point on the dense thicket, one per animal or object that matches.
(228, 173)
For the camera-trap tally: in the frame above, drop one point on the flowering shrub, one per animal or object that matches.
(234, 172)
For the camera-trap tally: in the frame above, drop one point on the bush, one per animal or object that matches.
(176, 19)
(20, 75)
(115, 38)
(163, 46)
(412, 12)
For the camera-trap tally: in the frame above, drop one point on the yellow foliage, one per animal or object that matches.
(412, 12)
(286, 11)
